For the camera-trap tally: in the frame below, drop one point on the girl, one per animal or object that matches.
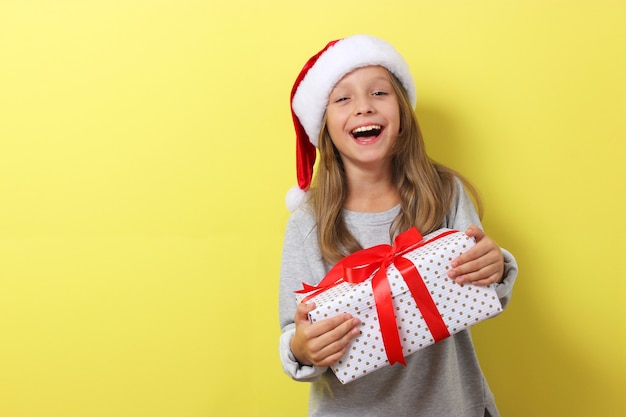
(354, 100)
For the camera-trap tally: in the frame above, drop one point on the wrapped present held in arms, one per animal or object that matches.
(403, 297)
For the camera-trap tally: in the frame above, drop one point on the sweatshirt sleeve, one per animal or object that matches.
(462, 214)
(300, 263)
(504, 288)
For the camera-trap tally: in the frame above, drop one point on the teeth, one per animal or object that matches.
(366, 128)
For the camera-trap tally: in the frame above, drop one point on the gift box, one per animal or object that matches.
(403, 298)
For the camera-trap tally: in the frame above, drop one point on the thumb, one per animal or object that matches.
(302, 313)
(475, 232)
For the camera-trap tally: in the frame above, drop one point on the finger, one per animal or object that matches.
(345, 331)
(310, 342)
(330, 360)
(475, 232)
(333, 328)
(330, 355)
(478, 249)
(473, 277)
(491, 264)
(482, 248)
(328, 348)
(494, 278)
(475, 252)
(302, 313)
(484, 282)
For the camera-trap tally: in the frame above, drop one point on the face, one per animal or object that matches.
(363, 118)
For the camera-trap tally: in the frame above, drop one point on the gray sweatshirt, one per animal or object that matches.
(442, 380)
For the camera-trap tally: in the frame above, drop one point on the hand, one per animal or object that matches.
(324, 342)
(483, 264)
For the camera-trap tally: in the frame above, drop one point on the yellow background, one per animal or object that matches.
(146, 147)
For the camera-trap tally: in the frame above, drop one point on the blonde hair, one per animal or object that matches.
(426, 187)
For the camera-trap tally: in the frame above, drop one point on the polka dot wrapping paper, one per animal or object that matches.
(443, 307)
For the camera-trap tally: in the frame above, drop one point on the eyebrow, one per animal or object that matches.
(376, 79)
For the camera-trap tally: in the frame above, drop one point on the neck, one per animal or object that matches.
(371, 193)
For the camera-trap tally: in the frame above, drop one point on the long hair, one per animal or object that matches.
(426, 187)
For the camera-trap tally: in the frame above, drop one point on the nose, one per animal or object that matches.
(363, 105)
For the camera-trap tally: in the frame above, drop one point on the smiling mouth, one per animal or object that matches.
(366, 131)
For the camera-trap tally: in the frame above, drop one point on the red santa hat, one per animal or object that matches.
(310, 92)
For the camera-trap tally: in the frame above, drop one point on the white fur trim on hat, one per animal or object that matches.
(311, 97)
(295, 197)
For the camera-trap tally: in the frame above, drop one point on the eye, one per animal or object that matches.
(380, 93)
(340, 99)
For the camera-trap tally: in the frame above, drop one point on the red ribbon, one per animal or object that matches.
(359, 266)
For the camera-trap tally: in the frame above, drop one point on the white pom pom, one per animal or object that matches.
(295, 197)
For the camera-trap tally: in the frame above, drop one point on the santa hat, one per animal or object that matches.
(310, 92)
